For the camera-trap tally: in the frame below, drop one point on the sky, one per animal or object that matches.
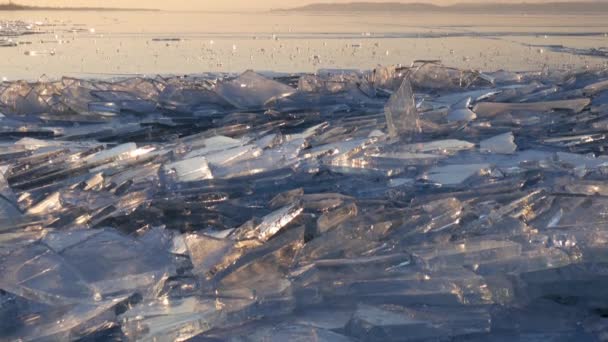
(219, 5)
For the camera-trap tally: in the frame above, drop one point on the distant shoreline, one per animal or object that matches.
(472, 8)
(16, 7)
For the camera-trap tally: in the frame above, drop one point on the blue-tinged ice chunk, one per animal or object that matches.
(580, 162)
(455, 174)
(503, 144)
(461, 112)
(448, 146)
(10, 215)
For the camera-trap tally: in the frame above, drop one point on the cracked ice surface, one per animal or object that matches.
(404, 203)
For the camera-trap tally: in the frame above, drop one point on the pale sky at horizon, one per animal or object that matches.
(215, 5)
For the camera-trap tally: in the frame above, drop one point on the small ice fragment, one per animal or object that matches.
(444, 214)
(51, 203)
(270, 225)
(502, 144)
(461, 112)
(178, 245)
(376, 134)
(401, 114)
(192, 169)
(335, 217)
(491, 109)
(408, 156)
(286, 198)
(396, 182)
(233, 155)
(440, 146)
(206, 252)
(210, 145)
(118, 152)
(454, 174)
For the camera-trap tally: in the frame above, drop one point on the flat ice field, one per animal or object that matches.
(113, 43)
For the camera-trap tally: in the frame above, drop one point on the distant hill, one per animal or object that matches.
(17, 7)
(497, 8)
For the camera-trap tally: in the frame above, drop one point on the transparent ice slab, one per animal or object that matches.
(251, 90)
(455, 174)
(503, 144)
(491, 109)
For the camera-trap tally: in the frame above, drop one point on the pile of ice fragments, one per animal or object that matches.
(414, 203)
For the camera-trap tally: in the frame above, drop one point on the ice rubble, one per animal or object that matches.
(405, 203)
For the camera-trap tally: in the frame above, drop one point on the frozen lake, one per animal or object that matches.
(413, 202)
(89, 44)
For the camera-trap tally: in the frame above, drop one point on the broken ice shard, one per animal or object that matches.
(491, 109)
(461, 111)
(207, 252)
(504, 144)
(401, 114)
(251, 90)
(455, 174)
(270, 224)
(190, 169)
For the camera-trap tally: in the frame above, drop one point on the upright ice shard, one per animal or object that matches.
(401, 114)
